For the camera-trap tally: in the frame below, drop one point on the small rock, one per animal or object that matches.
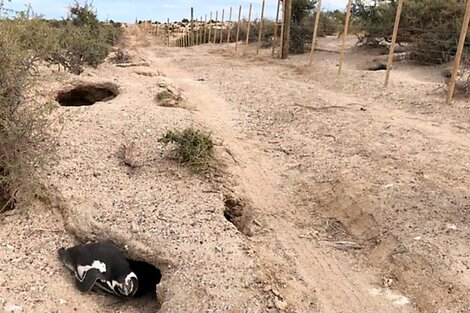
(135, 228)
(13, 308)
(452, 226)
(275, 292)
(62, 301)
(280, 304)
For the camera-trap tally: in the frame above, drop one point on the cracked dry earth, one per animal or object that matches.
(356, 197)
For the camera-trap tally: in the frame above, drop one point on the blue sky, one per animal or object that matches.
(128, 11)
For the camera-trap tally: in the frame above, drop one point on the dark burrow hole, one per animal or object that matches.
(378, 67)
(237, 212)
(87, 94)
(149, 277)
(145, 300)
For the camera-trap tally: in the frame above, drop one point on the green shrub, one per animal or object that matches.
(195, 147)
(82, 39)
(84, 15)
(78, 46)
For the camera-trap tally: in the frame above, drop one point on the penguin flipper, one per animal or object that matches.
(88, 280)
(104, 287)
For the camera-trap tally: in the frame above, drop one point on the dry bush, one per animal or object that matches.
(122, 56)
(83, 40)
(71, 43)
(462, 86)
(195, 147)
(25, 142)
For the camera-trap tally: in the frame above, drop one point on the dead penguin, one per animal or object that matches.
(102, 265)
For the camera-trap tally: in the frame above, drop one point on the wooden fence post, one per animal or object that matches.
(191, 29)
(215, 28)
(205, 30)
(229, 26)
(345, 36)
(200, 31)
(222, 27)
(168, 32)
(156, 31)
(286, 19)
(248, 25)
(458, 55)
(210, 29)
(260, 32)
(315, 31)
(276, 26)
(238, 28)
(394, 41)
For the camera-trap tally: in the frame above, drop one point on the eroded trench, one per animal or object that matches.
(87, 94)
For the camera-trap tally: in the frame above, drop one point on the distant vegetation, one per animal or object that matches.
(26, 41)
(431, 27)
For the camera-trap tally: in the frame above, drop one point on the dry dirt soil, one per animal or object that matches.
(347, 197)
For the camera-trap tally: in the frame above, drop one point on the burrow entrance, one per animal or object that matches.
(145, 299)
(377, 67)
(239, 214)
(87, 94)
(149, 277)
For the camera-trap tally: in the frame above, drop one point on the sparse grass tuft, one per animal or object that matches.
(462, 87)
(195, 147)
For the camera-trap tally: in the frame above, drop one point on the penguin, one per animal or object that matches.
(100, 265)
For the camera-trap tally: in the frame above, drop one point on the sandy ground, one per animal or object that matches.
(356, 196)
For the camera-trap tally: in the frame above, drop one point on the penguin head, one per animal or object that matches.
(128, 285)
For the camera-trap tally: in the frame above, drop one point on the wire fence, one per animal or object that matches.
(243, 25)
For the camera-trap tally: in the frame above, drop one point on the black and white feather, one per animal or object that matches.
(100, 265)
